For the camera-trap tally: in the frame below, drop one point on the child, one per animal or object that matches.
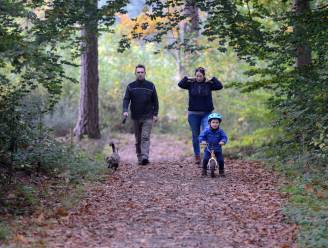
(215, 138)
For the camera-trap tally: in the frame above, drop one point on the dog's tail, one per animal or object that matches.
(113, 147)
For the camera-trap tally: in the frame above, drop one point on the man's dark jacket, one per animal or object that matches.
(143, 98)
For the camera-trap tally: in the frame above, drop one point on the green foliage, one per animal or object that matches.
(34, 71)
(276, 39)
(243, 113)
(297, 96)
(307, 205)
(22, 132)
(4, 232)
(18, 199)
(271, 36)
(33, 37)
(67, 165)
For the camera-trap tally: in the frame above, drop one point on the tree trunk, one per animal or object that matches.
(303, 50)
(88, 119)
(192, 26)
(187, 36)
(303, 56)
(189, 33)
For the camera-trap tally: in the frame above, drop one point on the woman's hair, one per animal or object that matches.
(201, 70)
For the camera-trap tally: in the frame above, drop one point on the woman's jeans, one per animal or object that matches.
(197, 123)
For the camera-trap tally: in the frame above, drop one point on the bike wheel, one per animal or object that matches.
(212, 168)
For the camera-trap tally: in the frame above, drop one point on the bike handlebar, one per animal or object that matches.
(208, 146)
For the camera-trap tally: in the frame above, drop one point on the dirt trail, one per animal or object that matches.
(168, 204)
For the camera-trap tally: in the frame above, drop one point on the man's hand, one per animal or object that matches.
(155, 118)
(126, 114)
(221, 143)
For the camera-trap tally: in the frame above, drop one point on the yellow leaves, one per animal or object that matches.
(140, 25)
(125, 20)
(289, 29)
(20, 239)
(61, 212)
(41, 12)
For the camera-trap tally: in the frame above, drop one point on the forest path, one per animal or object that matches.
(168, 204)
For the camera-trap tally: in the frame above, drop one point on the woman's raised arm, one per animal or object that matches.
(216, 84)
(184, 83)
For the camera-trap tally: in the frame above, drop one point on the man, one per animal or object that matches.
(144, 110)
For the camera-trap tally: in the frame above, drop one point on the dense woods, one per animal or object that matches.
(64, 66)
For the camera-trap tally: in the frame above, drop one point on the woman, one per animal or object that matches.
(200, 103)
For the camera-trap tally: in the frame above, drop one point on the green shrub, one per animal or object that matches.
(308, 201)
(4, 232)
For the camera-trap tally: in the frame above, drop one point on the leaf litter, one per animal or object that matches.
(168, 204)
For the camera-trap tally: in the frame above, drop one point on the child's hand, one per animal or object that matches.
(221, 143)
(203, 144)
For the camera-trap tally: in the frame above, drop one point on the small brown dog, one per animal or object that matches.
(113, 160)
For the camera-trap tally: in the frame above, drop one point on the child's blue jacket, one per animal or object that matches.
(213, 137)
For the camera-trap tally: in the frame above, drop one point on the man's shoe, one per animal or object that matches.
(204, 172)
(221, 174)
(144, 161)
(197, 159)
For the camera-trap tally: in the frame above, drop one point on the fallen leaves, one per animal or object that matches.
(40, 219)
(321, 194)
(168, 204)
(20, 239)
(61, 212)
(309, 188)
